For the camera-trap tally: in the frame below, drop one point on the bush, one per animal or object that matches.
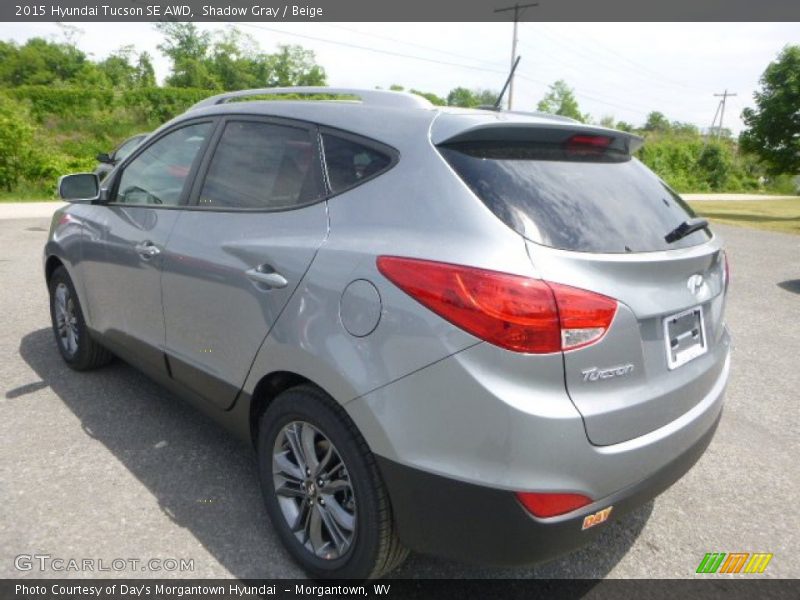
(16, 143)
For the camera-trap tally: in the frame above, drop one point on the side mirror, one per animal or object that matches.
(105, 157)
(79, 187)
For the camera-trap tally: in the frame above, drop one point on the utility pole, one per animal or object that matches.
(725, 95)
(713, 122)
(518, 9)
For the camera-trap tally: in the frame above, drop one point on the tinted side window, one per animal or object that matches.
(349, 163)
(158, 174)
(127, 147)
(262, 165)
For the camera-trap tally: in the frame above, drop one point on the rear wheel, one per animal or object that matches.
(77, 347)
(322, 488)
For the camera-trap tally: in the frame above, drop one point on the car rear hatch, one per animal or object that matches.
(595, 218)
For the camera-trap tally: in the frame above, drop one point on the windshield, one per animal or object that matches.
(588, 201)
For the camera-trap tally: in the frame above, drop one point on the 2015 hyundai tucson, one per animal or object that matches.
(477, 334)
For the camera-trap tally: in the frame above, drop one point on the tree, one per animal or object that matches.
(682, 128)
(773, 126)
(118, 69)
(560, 100)
(657, 122)
(467, 98)
(232, 60)
(187, 47)
(16, 141)
(145, 73)
(41, 62)
(461, 96)
(294, 65)
(714, 163)
(430, 97)
(607, 121)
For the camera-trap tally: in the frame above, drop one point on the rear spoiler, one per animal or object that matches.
(545, 132)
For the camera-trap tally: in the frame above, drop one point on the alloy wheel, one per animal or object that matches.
(314, 490)
(66, 319)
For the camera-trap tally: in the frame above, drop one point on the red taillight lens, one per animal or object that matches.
(510, 311)
(551, 505)
(592, 141)
(584, 145)
(585, 316)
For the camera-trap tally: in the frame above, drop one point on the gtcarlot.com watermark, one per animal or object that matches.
(47, 562)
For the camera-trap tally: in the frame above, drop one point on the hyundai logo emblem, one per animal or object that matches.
(694, 283)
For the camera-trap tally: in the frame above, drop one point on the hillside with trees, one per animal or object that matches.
(59, 108)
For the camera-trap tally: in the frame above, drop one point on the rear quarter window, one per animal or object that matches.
(351, 162)
(594, 202)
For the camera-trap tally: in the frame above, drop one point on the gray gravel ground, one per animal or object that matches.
(108, 465)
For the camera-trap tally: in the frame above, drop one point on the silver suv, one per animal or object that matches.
(476, 334)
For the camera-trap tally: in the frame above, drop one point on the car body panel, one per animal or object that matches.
(122, 288)
(216, 318)
(649, 286)
(424, 394)
(476, 417)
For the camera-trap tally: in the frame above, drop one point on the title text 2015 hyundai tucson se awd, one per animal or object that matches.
(477, 334)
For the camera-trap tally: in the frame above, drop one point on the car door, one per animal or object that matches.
(237, 254)
(123, 241)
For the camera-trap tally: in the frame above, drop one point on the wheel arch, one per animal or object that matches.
(50, 265)
(266, 390)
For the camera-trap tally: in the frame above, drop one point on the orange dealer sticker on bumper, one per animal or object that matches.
(601, 516)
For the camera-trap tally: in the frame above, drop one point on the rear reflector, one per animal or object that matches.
(510, 311)
(551, 505)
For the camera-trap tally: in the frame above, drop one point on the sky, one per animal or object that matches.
(624, 70)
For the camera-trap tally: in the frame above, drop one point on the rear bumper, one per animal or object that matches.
(472, 523)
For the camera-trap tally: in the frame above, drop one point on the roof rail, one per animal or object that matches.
(383, 98)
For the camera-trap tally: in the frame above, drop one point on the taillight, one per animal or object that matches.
(551, 505)
(594, 141)
(585, 316)
(588, 144)
(514, 312)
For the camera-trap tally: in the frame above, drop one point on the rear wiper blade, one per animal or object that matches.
(686, 228)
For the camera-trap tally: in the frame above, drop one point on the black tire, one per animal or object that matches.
(375, 549)
(85, 353)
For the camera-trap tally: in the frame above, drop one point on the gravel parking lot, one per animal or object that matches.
(108, 465)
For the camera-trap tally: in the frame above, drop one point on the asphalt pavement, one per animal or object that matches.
(107, 465)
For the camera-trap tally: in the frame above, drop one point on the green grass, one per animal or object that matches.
(27, 193)
(771, 215)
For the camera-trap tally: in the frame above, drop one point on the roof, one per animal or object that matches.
(393, 117)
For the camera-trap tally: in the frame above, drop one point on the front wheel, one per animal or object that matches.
(322, 489)
(77, 347)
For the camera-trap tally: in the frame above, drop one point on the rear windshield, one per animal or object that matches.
(584, 201)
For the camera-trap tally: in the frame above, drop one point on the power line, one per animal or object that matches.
(577, 48)
(412, 44)
(436, 61)
(376, 50)
(516, 8)
(441, 62)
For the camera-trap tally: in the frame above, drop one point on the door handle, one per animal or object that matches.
(266, 276)
(147, 250)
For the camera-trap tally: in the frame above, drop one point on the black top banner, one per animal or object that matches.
(397, 10)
